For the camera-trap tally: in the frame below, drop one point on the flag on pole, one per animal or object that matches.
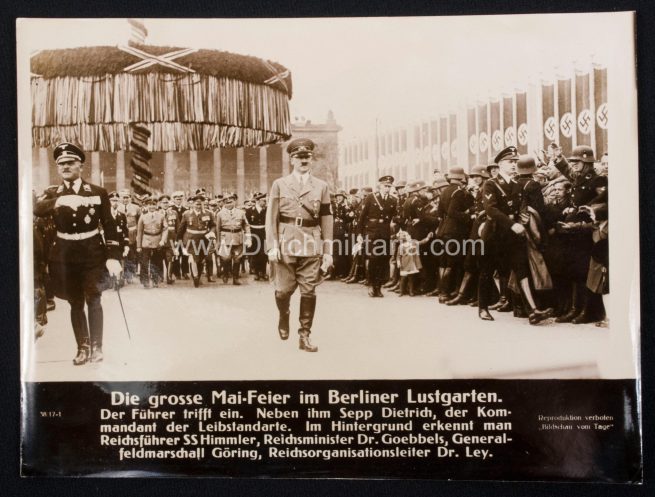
(522, 133)
(483, 135)
(584, 121)
(600, 99)
(443, 143)
(508, 120)
(496, 132)
(434, 145)
(472, 132)
(567, 122)
(550, 125)
(453, 139)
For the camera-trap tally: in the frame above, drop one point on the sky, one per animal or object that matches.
(396, 70)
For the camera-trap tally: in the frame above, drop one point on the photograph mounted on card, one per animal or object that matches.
(252, 251)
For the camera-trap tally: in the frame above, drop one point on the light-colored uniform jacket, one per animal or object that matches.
(132, 213)
(229, 220)
(152, 229)
(287, 198)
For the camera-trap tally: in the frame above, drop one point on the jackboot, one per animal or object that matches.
(282, 302)
(444, 284)
(307, 308)
(403, 286)
(227, 269)
(82, 356)
(96, 353)
(235, 274)
(412, 283)
(576, 306)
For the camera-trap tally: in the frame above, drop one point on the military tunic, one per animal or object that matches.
(257, 220)
(299, 224)
(375, 227)
(231, 224)
(78, 255)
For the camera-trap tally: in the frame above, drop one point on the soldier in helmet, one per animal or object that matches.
(577, 228)
(504, 235)
(299, 238)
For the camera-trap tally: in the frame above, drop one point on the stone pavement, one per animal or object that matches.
(222, 332)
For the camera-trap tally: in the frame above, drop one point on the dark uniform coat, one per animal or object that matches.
(78, 255)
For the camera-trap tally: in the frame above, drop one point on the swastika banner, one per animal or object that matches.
(600, 99)
(566, 119)
(584, 119)
(522, 122)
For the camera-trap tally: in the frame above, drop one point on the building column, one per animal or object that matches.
(285, 162)
(193, 170)
(95, 168)
(169, 172)
(120, 170)
(217, 176)
(43, 180)
(241, 173)
(263, 169)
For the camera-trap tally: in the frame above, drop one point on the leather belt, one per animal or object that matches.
(152, 234)
(231, 230)
(299, 221)
(379, 220)
(77, 236)
(197, 232)
(258, 226)
(131, 228)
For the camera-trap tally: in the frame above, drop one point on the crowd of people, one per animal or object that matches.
(542, 220)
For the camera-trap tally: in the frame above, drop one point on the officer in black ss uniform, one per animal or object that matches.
(378, 210)
(80, 261)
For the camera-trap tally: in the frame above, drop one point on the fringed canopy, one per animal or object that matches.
(188, 99)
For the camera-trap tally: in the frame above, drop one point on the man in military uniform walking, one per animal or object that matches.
(378, 210)
(122, 233)
(132, 213)
(342, 221)
(80, 261)
(181, 262)
(196, 232)
(299, 238)
(231, 225)
(256, 217)
(151, 239)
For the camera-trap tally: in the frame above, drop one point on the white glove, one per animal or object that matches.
(248, 242)
(274, 255)
(126, 251)
(210, 236)
(360, 239)
(114, 267)
(185, 252)
(518, 228)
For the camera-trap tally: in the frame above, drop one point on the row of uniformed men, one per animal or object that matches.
(188, 235)
(537, 236)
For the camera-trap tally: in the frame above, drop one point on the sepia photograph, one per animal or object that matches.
(370, 198)
(372, 247)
